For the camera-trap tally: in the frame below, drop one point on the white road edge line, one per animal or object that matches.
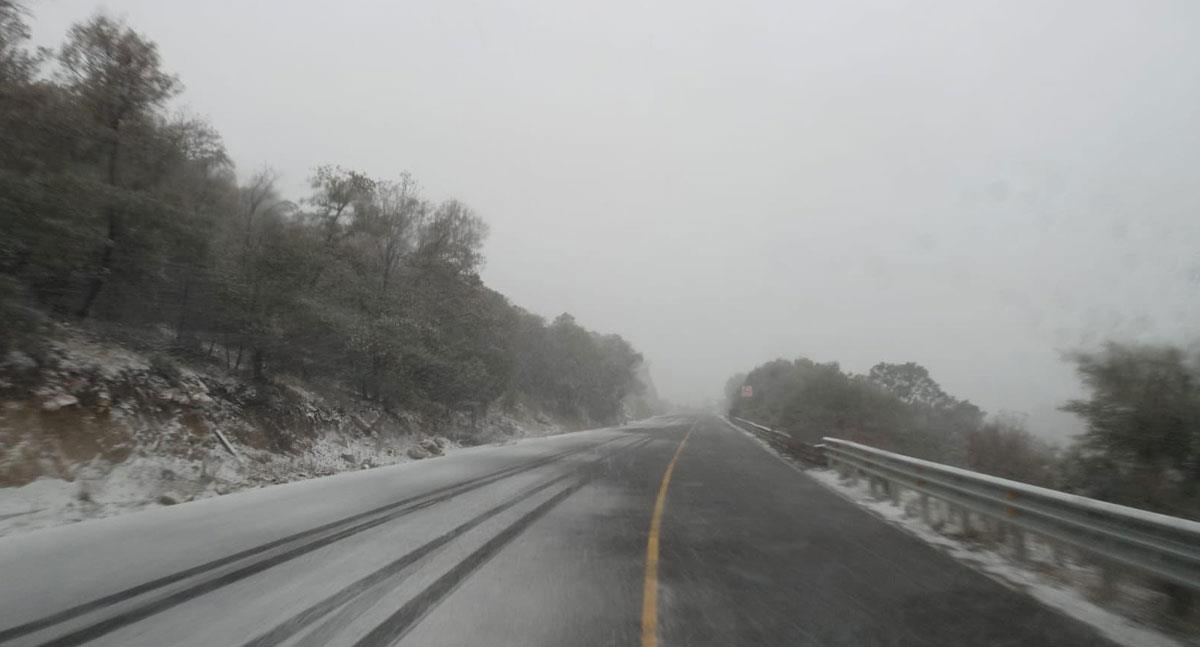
(763, 445)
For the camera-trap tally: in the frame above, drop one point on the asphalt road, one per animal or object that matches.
(545, 542)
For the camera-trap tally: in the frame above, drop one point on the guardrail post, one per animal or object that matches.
(1019, 547)
(893, 489)
(964, 522)
(925, 508)
(999, 530)
(1108, 581)
(885, 489)
(1058, 553)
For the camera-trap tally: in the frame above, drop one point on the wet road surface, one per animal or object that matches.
(629, 536)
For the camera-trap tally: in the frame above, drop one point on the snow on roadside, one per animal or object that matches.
(94, 429)
(102, 490)
(1004, 569)
(1064, 594)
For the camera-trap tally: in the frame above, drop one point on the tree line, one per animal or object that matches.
(897, 407)
(120, 213)
(1141, 446)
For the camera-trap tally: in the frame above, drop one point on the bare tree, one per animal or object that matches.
(259, 198)
(399, 211)
(116, 76)
(17, 64)
(453, 235)
(337, 193)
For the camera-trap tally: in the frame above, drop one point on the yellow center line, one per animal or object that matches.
(650, 590)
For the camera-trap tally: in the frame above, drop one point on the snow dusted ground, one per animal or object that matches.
(101, 490)
(1056, 581)
(92, 429)
(106, 555)
(1053, 578)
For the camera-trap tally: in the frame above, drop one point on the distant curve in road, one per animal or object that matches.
(624, 536)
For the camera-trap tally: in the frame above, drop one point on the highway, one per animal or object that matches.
(675, 531)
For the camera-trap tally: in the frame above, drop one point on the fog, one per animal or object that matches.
(976, 187)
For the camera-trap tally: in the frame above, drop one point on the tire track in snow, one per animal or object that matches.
(341, 528)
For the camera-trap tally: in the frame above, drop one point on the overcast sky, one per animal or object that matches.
(974, 186)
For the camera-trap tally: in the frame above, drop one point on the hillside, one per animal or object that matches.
(172, 328)
(93, 428)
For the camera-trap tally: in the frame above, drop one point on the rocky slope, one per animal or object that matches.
(91, 428)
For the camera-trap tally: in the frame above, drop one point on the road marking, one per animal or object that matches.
(650, 589)
(762, 444)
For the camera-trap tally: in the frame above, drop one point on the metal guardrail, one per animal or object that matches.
(759, 427)
(1162, 547)
(783, 441)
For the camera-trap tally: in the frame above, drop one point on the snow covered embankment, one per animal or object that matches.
(91, 429)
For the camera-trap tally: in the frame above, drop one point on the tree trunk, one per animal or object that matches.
(258, 359)
(181, 321)
(96, 285)
(114, 226)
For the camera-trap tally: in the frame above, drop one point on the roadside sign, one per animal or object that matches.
(747, 391)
